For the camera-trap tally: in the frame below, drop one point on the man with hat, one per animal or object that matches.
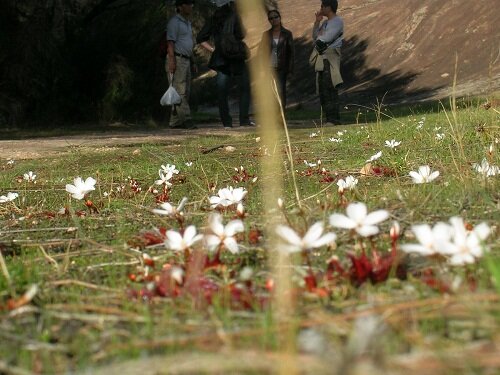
(178, 63)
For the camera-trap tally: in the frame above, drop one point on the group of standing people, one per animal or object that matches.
(223, 31)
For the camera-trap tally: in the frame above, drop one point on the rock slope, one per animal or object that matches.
(408, 48)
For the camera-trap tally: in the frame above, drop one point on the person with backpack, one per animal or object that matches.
(228, 58)
(326, 58)
(179, 62)
(278, 42)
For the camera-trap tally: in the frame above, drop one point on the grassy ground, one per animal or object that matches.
(86, 313)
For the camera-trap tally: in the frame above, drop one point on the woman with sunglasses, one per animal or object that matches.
(278, 42)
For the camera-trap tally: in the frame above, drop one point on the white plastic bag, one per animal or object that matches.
(171, 96)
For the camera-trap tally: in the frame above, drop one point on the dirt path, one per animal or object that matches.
(35, 148)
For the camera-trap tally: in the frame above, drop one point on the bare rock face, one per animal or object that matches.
(410, 47)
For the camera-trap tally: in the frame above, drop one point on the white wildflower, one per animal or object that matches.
(486, 169)
(30, 176)
(227, 197)
(349, 183)
(358, 219)
(80, 188)
(177, 242)
(314, 238)
(9, 197)
(424, 175)
(374, 157)
(392, 143)
(169, 169)
(223, 235)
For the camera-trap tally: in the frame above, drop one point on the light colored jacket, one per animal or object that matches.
(333, 57)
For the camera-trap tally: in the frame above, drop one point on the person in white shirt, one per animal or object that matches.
(179, 65)
(328, 39)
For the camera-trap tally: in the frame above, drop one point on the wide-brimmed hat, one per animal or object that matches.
(221, 3)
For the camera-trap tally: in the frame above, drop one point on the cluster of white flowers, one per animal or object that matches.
(227, 197)
(30, 177)
(486, 169)
(314, 135)
(421, 123)
(312, 165)
(357, 219)
(335, 140)
(165, 178)
(220, 236)
(440, 136)
(166, 172)
(453, 241)
(392, 143)
(9, 197)
(349, 183)
(339, 135)
(169, 169)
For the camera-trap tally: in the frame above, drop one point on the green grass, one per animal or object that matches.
(77, 326)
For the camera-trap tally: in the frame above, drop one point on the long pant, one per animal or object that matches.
(328, 95)
(181, 81)
(243, 83)
(280, 77)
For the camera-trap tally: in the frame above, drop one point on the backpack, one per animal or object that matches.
(230, 47)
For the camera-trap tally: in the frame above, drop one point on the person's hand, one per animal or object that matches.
(171, 66)
(319, 16)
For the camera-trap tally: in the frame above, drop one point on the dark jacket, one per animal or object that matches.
(285, 48)
(212, 29)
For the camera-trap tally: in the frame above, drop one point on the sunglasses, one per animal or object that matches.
(273, 18)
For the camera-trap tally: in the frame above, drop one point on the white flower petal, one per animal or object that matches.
(376, 217)
(289, 235)
(174, 240)
(211, 241)
(190, 234)
(357, 211)
(416, 248)
(326, 239)
(423, 233)
(215, 223)
(233, 227)
(482, 231)
(367, 230)
(313, 234)
(231, 244)
(341, 221)
(433, 176)
(417, 178)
